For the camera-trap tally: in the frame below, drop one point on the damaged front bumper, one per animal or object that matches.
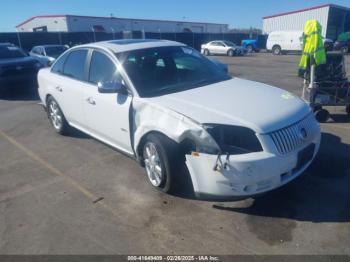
(245, 175)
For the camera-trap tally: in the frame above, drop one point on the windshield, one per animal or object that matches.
(55, 51)
(229, 43)
(163, 70)
(11, 52)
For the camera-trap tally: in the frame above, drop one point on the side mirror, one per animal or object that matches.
(111, 87)
(50, 62)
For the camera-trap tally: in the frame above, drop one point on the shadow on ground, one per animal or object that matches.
(321, 194)
(19, 93)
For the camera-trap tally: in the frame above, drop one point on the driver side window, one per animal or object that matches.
(102, 69)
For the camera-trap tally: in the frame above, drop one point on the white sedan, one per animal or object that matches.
(222, 48)
(165, 104)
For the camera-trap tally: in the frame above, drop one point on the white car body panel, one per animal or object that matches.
(122, 121)
(238, 102)
(107, 117)
(287, 40)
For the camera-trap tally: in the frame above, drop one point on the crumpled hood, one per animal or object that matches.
(260, 107)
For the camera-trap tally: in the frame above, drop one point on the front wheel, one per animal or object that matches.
(56, 117)
(277, 50)
(250, 49)
(206, 52)
(230, 53)
(159, 158)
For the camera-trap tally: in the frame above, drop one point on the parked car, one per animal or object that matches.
(47, 54)
(222, 48)
(283, 41)
(279, 42)
(343, 43)
(16, 67)
(343, 46)
(251, 45)
(167, 105)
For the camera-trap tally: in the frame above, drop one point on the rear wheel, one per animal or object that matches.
(56, 117)
(277, 50)
(160, 160)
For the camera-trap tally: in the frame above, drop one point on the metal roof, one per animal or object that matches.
(116, 18)
(307, 9)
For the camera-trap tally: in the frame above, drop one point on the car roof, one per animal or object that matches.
(118, 46)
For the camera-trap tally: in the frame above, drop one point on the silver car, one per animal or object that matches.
(47, 54)
(223, 47)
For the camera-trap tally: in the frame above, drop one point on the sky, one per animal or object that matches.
(236, 13)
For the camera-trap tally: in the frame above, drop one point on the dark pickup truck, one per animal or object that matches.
(16, 67)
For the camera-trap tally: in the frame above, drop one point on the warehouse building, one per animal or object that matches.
(74, 23)
(334, 19)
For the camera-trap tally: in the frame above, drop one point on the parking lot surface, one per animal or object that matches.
(75, 195)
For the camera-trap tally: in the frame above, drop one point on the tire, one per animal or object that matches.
(206, 52)
(250, 49)
(231, 53)
(347, 110)
(57, 117)
(277, 50)
(344, 49)
(322, 115)
(161, 159)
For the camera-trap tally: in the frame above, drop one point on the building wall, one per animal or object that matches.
(85, 24)
(80, 24)
(53, 24)
(296, 21)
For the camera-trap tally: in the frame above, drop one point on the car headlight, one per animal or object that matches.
(234, 139)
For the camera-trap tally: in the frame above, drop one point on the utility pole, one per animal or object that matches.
(93, 31)
(19, 39)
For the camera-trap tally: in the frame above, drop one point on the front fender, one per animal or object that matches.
(149, 117)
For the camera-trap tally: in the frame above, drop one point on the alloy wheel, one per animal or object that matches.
(153, 164)
(55, 115)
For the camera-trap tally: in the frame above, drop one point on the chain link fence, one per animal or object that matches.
(30, 39)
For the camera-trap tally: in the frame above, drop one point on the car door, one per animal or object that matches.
(68, 86)
(216, 47)
(107, 114)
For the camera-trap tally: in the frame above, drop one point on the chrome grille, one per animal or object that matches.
(291, 138)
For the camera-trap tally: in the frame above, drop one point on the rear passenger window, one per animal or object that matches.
(75, 64)
(102, 68)
(58, 66)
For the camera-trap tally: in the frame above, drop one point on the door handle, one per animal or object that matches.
(59, 89)
(91, 101)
